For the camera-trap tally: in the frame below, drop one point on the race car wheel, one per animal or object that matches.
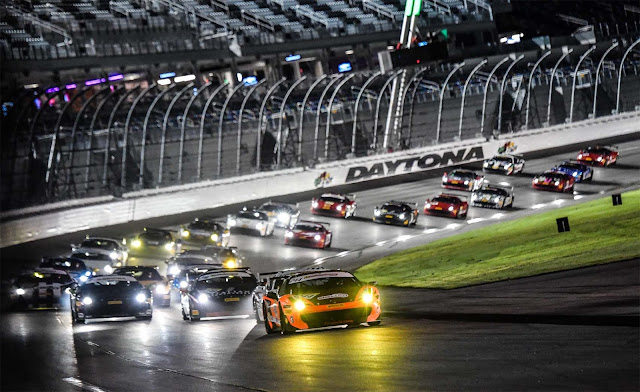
(374, 323)
(267, 327)
(415, 220)
(285, 328)
(511, 204)
(144, 317)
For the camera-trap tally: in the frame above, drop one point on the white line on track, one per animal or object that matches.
(475, 220)
(85, 386)
(536, 206)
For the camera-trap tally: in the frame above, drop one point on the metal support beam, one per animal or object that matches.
(355, 113)
(380, 95)
(76, 122)
(455, 69)
(486, 90)
(502, 87)
(434, 87)
(529, 84)
(91, 128)
(553, 74)
(328, 127)
(318, 111)
(302, 108)
(220, 123)
(464, 94)
(282, 109)
(244, 103)
(575, 78)
(400, 112)
(620, 72)
(145, 124)
(109, 124)
(127, 124)
(165, 121)
(259, 136)
(595, 88)
(184, 124)
(202, 119)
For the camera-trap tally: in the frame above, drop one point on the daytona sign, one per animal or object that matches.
(407, 165)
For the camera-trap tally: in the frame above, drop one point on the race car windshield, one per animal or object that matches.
(253, 215)
(47, 278)
(139, 274)
(461, 174)
(241, 280)
(571, 166)
(443, 199)
(186, 260)
(494, 191)
(598, 150)
(502, 158)
(64, 264)
(91, 256)
(108, 285)
(152, 236)
(333, 199)
(308, 228)
(99, 244)
(556, 177)
(275, 208)
(392, 208)
(323, 285)
(202, 225)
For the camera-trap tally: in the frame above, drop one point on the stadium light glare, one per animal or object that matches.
(185, 78)
(70, 86)
(164, 82)
(292, 57)
(113, 78)
(30, 86)
(167, 75)
(348, 52)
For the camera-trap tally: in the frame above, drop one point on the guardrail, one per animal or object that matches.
(210, 194)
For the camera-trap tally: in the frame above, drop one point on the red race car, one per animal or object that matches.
(598, 155)
(338, 205)
(465, 180)
(444, 204)
(314, 234)
(554, 181)
(318, 299)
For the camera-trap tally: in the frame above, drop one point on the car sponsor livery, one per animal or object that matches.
(253, 221)
(598, 155)
(461, 179)
(579, 171)
(309, 233)
(332, 204)
(554, 181)
(448, 205)
(316, 299)
(507, 164)
(493, 196)
(39, 289)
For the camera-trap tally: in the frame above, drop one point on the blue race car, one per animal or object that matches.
(579, 171)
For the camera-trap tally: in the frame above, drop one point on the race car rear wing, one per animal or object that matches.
(461, 197)
(310, 221)
(409, 203)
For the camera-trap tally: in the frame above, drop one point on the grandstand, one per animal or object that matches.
(105, 97)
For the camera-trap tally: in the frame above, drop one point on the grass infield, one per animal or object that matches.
(600, 233)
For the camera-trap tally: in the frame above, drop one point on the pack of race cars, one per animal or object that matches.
(212, 281)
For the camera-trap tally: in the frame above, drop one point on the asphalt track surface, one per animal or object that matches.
(573, 330)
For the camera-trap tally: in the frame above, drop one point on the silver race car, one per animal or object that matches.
(506, 164)
(493, 196)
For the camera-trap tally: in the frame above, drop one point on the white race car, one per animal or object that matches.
(101, 254)
(251, 220)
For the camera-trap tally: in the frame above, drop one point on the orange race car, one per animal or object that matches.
(320, 298)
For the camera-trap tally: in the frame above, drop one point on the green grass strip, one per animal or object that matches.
(600, 233)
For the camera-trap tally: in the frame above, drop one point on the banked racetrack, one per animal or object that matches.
(575, 330)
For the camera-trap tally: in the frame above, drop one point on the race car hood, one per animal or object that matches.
(93, 251)
(334, 297)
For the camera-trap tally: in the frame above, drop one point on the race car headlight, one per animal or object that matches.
(576, 174)
(141, 297)
(474, 196)
(225, 233)
(20, 291)
(339, 208)
(87, 301)
(401, 216)
(299, 305)
(485, 164)
(136, 243)
(108, 269)
(317, 237)
(599, 159)
(497, 199)
(214, 237)
(288, 234)
(376, 212)
(579, 156)
(367, 298)
(427, 205)
(169, 246)
(84, 278)
(444, 178)
(174, 270)
(283, 217)
(183, 284)
(557, 183)
(113, 255)
(162, 290)
(451, 208)
(231, 263)
(87, 273)
(203, 298)
(231, 222)
(314, 204)
(259, 226)
(466, 182)
(186, 234)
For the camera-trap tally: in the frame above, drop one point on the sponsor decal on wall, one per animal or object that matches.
(407, 165)
(323, 180)
(508, 147)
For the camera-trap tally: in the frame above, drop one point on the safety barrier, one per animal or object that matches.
(147, 204)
